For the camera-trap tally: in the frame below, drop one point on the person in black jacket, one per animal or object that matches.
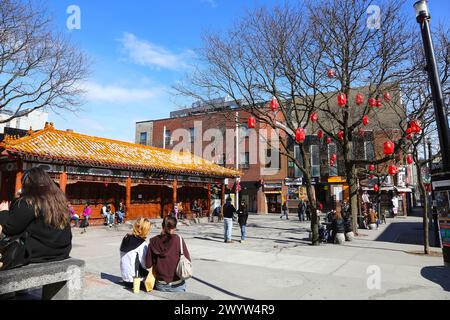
(228, 211)
(338, 226)
(242, 219)
(41, 216)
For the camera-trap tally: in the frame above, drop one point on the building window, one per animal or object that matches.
(243, 132)
(245, 160)
(168, 138)
(191, 134)
(369, 151)
(269, 153)
(333, 172)
(298, 156)
(143, 138)
(315, 161)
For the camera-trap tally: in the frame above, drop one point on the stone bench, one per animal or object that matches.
(61, 280)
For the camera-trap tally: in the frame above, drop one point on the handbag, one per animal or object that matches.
(184, 267)
(13, 251)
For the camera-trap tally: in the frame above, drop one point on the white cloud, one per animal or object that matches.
(212, 3)
(148, 54)
(117, 94)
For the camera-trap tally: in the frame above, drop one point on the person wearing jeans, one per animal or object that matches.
(242, 219)
(228, 211)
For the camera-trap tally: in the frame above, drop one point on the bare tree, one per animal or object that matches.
(38, 67)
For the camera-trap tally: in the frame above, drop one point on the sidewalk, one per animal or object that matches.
(277, 262)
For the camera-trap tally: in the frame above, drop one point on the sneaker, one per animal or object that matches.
(242, 241)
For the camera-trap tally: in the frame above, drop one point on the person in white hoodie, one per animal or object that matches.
(133, 251)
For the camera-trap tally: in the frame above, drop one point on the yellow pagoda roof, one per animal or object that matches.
(75, 148)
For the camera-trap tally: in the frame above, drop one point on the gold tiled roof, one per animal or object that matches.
(76, 148)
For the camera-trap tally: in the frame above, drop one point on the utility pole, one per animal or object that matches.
(237, 158)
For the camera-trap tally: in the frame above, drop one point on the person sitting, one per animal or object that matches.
(348, 225)
(373, 218)
(73, 215)
(338, 228)
(104, 213)
(121, 213)
(110, 216)
(196, 210)
(133, 252)
(41, 216)
(164, 254)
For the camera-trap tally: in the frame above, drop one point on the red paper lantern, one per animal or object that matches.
(320, 206)
(388, 148)
(330, 73)
(371, 167)
(274, 104)
(379, 103)
(409, 159)
(409, 131)
(409, 137)
(320, 134)
(329, 140)
(415, 126)
(333, 157)
(342, 100)
(300, 135)
(251, 123)
(393, 170)
(387, 96)
(359, 99)
(341, 135)
(314, 117)
(371, 176)
(331, 163)
(372, 102)
(365, 120)
(376, 188)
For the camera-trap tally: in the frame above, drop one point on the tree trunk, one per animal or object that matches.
(314, 218)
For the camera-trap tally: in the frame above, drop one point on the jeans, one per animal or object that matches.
(76, 221)
(243, 232)
(110, 218)
(228, 224)
(301, 216)
(120, 216)
(170, 288)
(285, 213)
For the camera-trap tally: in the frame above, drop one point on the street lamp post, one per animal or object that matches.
(433, 199)
(440, 179)
(423, 18)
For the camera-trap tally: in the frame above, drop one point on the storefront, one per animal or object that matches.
(274, 196)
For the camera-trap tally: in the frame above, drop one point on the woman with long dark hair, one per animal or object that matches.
(41, 215)
(163, 254)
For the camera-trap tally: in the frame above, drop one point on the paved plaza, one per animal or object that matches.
(277, 262)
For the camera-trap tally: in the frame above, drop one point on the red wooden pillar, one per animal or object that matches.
(175, 187)
(19, 176)
(63, 181)
(128, 198)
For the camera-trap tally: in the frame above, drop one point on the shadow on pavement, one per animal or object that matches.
(220, 289)
(439, 275)
(404, 232)
(112, 278)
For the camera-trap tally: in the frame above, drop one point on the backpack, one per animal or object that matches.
(184, 267)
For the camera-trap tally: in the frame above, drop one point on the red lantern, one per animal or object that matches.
(341, 135)
(334, 157)
(372, 102)
(371, 167)
(361, 132)
(320, 134)
(409, 159)
(314, 117)
(379, 104)
(106, 185)
(331, 163)
(409, 131)
(359, 99)
(365, 120)
(320, 206)
(329, 140)
(393, 170)
(300, 135)
(387, 96)
(330, 73)
(415, 126)
(251, 123)
(371, 176)
(409, 137)
(376, 188)
(388, 148)
(342, 100)
(274, 104)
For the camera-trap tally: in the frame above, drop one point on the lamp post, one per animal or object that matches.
(440, 179)
(423, 18)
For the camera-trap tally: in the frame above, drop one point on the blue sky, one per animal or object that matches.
(140, 48)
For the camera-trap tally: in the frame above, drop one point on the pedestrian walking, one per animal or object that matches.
(301, 210)
(308, 211)
(73, 216)
(87, 211)
(284, 209)
(242, 219)
(228, 212)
